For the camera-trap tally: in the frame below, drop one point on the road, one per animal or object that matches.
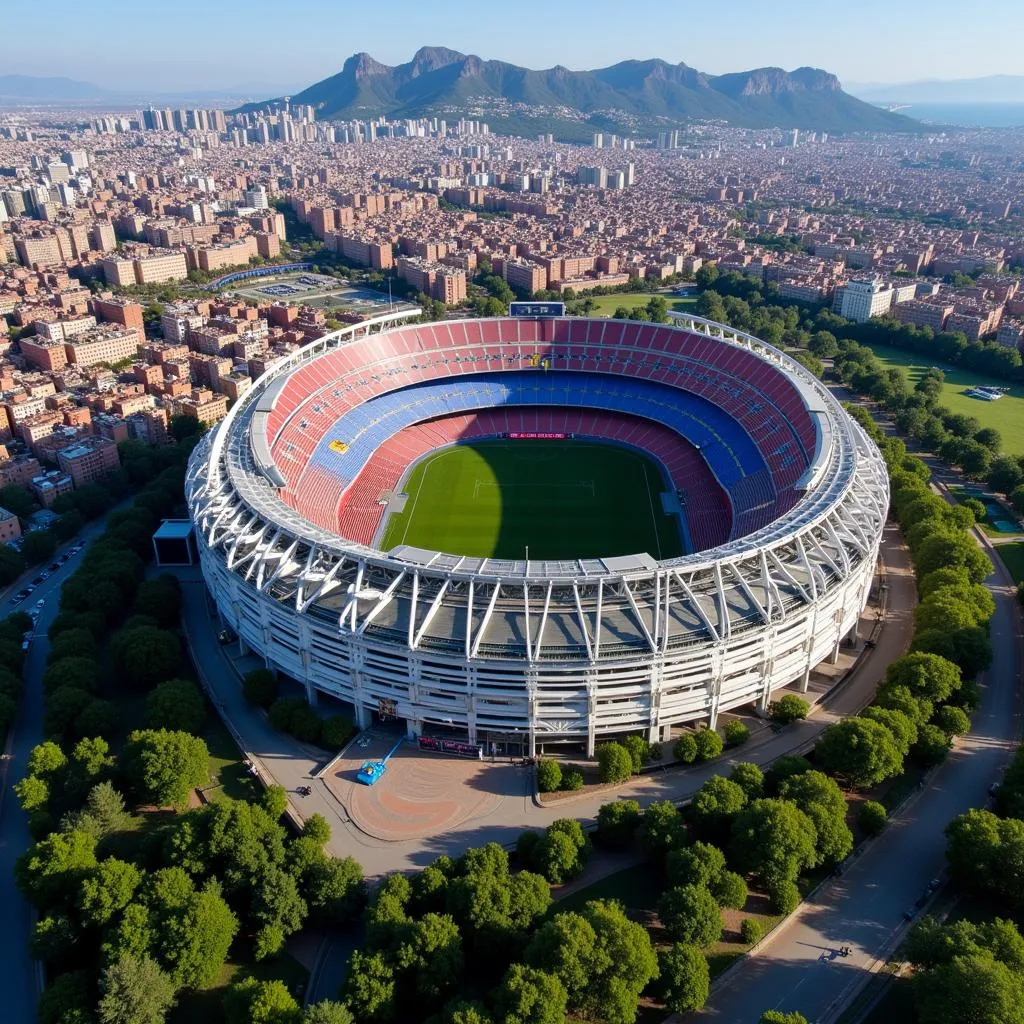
(19, 973)
(863, 909)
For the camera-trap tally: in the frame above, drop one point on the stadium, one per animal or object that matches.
(539, 529)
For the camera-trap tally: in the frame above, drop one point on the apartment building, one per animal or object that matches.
(10, 528)
(103, 345)
(159, 266)
(88, 460)
(201, 404)
(863, 298)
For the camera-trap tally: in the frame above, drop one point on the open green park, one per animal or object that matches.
(605, 305)
(1006, 415)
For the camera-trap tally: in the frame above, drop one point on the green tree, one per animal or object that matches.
(773, 839)
(684, 980)
(685, 748)
(749, 778)
(951, 550)
(872, 817)
(431, 951)
(165, 766)
(689, 913)
(823, 802)
(932, 745)
(566, 946)
(326, 1012)
(146, 655)
(106, 890)
(46, 760)
(781, 1017)
(730, 890)
(614, 763)
(974, 988)
(52, 870)
(336, 890)
(662, 828)
(529, 996)
(369, 987)
(927, 676)
(67, 999)
(639, 751)
(986, 853)
(176, 705)
(193, 928)
(709, 744)
(698, 864)
(275, 801)
(549, 775)
(788, 708)
(736, 733)
(625, 946)
(617, 823)
(714, 807)
(260, 1002)
(134, 991)
(953, 721)
(12, 565)
(276, 901)
(903, 729)
(861, 751)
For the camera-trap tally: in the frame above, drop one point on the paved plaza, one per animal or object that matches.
(420, 794)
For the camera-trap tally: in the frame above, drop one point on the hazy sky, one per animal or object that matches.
(200, 44)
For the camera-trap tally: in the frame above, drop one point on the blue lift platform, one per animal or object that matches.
(373, 771)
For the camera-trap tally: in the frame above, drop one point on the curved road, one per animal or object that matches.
(864, 908)
(19, 973)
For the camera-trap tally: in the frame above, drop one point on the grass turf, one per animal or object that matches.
(1006, 415)
(1013, 558)
(605, 305)
(562, 499)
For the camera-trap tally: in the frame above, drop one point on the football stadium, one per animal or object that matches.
(539, 529)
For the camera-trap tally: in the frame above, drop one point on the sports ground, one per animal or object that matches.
(560, 499)
(1006, 415)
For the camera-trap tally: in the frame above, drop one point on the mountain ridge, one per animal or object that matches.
(438, 77)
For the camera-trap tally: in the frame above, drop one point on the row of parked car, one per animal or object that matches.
(22, 594)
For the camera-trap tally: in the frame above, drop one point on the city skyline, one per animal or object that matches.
(217, 53)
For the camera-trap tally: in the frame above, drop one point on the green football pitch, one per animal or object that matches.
(560, 499)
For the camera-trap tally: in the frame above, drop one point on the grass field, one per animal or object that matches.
(562, 499)
(1013, 558)
(1006, 415)
(605, 305)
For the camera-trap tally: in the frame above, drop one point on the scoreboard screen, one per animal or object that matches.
(536, 309)
(536, 435)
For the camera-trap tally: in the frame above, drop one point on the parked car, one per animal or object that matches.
(227, 636)
(55, 566)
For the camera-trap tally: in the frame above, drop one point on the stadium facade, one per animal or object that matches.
(526, 652)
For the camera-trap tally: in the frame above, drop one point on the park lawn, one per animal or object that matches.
(605, 305)
(637, 888)
(1006, 415)
(559, 499)
(205, 1006)
(1013, 558)
(228, 774)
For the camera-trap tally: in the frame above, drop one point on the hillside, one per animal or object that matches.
(441, 79)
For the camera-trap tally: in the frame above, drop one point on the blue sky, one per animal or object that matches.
(200, 44)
